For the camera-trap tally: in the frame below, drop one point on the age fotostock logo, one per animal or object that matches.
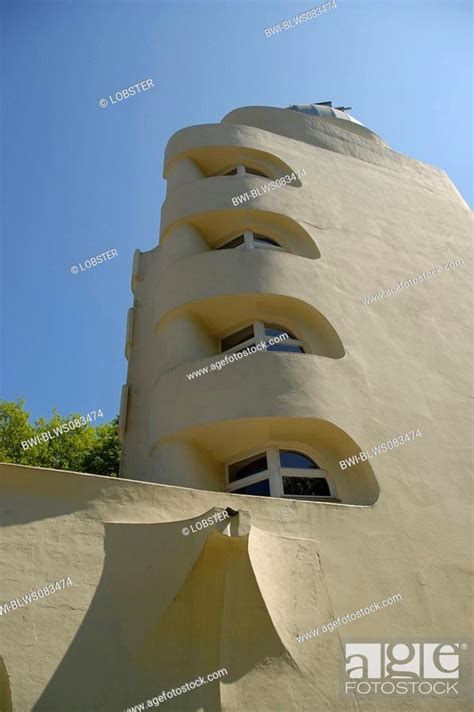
(403, 668)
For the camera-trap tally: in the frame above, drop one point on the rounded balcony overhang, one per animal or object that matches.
(215, 227)
(207, 204)
(211, 146)
(225, 441)
(213, 276)
(262, 385)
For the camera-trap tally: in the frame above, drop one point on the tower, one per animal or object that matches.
(231, 273)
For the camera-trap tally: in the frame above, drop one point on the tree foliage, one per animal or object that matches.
(95, 450)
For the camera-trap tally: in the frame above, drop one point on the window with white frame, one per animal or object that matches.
(277, 472)
(249, 240)
(241, 170)
(259, 331)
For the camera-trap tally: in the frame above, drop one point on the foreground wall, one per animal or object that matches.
(151, 608)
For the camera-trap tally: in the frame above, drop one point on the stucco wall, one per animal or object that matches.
(151, 608)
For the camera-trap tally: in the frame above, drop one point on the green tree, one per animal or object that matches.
(14, 428)
(104, 456)
(86, 449)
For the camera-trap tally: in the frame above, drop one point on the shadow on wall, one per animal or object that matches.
(168, 609)
(5, 691)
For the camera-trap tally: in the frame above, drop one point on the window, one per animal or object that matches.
(306, 486)
(280, 473)
(241, 170)
(239, 337)
(259, 331)
(291, 344)
(250, 466)
(265, 242)
(250, 476)
(261, 489)
(235, 242)
(302, 477)
(289, 458)
(250, 241)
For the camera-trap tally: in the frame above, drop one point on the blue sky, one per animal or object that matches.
(78, 180)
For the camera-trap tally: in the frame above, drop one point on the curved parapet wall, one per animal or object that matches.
(208, 203)
(283, 121)
(286, 280)
(195, 330)
(213, 227)
(215, 147)
(188, 159)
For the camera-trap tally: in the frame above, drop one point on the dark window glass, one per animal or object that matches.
(289, 458)
(262, 489)
(306, 486)
(237, 338)
(247, 467)
(235, 242)
(274, 330)
(283, 346)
